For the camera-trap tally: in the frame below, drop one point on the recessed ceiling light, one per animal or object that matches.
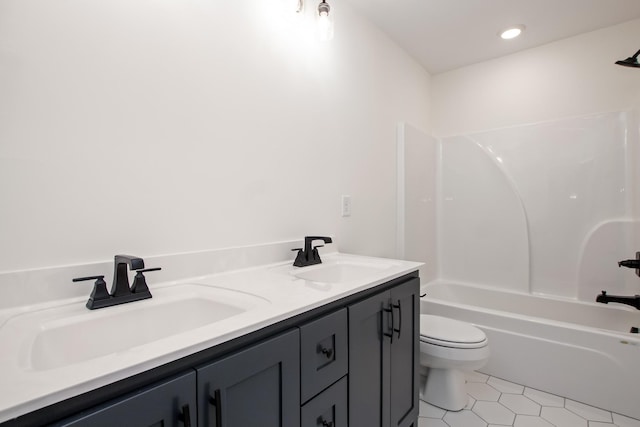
(511, 32)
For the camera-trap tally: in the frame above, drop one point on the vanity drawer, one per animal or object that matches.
(329, 408)
(324, 355)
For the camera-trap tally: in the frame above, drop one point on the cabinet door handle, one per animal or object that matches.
(216, 400)
(387, 334)
(185, 416)
(399, 307)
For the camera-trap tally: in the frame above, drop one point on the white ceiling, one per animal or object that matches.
(447, 34)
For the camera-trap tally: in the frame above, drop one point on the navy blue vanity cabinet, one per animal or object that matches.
(171, 403)
(255, 387)
(349, 363)
(384, 357)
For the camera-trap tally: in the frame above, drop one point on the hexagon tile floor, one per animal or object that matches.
(495, 403)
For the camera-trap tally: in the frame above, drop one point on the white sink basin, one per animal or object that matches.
(71, 334)
(341, 271)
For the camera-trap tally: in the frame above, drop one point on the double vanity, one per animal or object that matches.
(327, 345)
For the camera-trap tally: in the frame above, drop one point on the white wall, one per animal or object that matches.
(567, 78)
(169, 126)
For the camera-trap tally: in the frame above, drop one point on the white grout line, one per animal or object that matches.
(559, 409)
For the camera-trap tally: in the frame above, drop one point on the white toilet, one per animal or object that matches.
(448, 347)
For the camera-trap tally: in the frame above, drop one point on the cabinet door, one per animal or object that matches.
(368, 362)
(169, 404)
(405, 354)
(256, 387)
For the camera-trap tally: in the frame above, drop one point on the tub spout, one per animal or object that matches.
(633, 301)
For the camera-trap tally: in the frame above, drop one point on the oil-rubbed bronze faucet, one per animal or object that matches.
(121, 292)
(633, 301)
(309, 255)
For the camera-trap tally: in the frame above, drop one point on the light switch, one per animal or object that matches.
(346, 205)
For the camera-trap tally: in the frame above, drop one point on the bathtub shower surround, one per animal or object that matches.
(544, 208)
(417, 197)
(531, 222)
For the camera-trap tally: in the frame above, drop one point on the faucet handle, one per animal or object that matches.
(300, 260)
(99, 289)
(314, 252)
(140, 282)
(149, 269)
(82, 279)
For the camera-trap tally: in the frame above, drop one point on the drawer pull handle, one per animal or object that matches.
(216, 401)
(185, 416)
(328, 352)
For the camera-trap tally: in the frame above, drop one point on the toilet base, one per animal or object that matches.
(444, 388)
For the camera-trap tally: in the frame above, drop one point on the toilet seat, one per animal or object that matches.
(451, 333)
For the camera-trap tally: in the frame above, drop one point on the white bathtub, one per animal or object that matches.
(579, 350)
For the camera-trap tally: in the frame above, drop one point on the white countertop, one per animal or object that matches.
(25, 387)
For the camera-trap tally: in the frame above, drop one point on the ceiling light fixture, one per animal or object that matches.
(323, 8)
(632, 61)
(324, 18)
(325, 23)
(511, 32)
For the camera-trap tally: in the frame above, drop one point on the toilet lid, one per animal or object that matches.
(450, 332)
